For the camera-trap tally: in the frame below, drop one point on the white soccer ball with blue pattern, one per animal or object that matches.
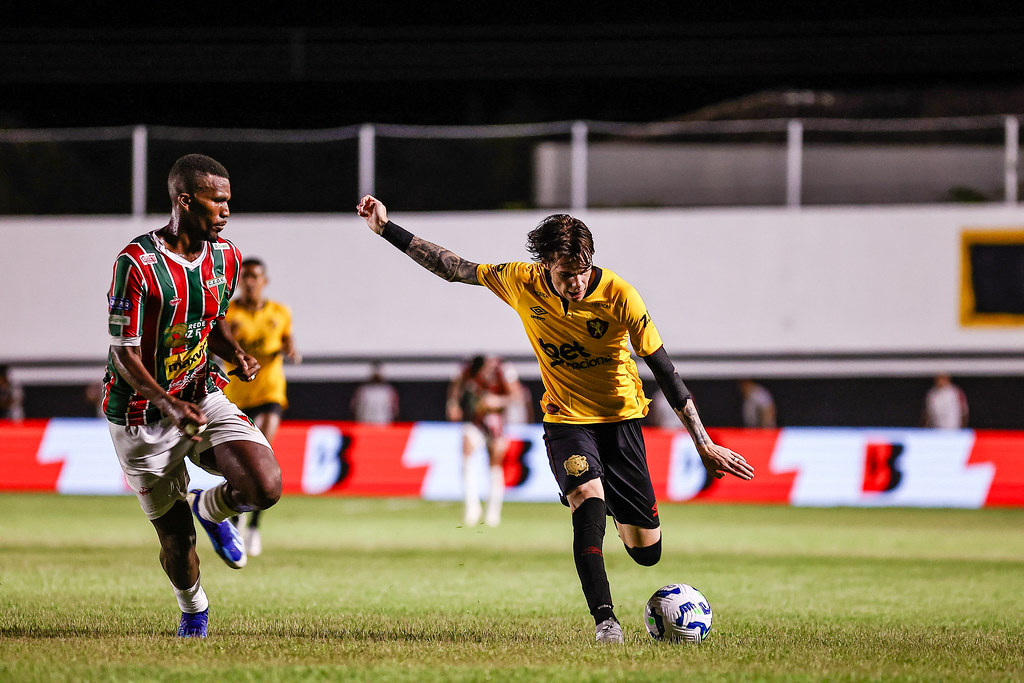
(678, 613)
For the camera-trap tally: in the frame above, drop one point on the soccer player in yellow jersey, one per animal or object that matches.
(579, 318)
(263, 328)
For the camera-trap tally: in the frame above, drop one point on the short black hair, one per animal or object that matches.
(254, 261)
(187, 173)
(561, 236)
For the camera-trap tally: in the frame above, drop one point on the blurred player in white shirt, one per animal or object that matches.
(945, 405)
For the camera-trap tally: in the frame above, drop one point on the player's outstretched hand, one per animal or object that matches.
(374, 211)
(720, 461)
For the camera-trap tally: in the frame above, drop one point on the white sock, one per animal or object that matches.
(191, 600)
(470, 494)
(497, 493)
(213, 504)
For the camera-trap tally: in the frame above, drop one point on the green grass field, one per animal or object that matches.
(360, 589)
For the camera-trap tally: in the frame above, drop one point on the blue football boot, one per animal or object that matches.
(194, 625)
(226, 540)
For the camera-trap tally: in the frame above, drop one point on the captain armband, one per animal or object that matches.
(397, 235)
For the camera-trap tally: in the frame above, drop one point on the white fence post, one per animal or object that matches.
(1012, 153)
(578, 177)
(794, 162)
(140, 137)
(367, 159)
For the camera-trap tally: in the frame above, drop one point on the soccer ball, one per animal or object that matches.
(678, 612)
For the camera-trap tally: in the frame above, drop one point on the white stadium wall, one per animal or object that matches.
(720, 281)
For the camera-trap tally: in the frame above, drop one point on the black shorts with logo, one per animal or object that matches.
(613, 452)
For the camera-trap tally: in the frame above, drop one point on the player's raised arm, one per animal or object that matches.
(717, 460)
(438, 260)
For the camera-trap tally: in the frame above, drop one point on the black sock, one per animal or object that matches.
(588, 526)
(254, 519)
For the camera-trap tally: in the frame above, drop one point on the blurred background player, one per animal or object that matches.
(11, 396)
(520, 406)
(263, 328)
(758, 407)
(945, 404)
(478, 396)
(375, 401)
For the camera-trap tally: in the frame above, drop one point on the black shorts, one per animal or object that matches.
(613, 452)
(264, 408)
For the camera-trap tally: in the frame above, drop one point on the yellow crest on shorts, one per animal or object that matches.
(576, 465)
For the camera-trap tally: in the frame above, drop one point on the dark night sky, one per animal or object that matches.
(330, 67)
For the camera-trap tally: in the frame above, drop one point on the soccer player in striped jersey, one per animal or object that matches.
(162, 391)
(579, 318)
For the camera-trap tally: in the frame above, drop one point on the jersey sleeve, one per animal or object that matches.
(506, 280)
(125, 302)
(643, 334)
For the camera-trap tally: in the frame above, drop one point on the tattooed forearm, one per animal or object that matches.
(442, 262)
(693, 424)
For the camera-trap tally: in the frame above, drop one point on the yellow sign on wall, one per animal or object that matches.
(992, 277)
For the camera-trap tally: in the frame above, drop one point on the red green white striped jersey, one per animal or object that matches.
(168, 306)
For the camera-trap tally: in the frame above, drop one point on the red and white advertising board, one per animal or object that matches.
(796, 466)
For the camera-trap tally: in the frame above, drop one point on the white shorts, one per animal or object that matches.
(474, 436)
(153, 455)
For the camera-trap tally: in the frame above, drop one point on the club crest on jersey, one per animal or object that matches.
(216, 284)
(597, 327)
(576, 465)
(176, 335)
(184, 334)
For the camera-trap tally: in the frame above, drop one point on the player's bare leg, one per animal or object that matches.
(177, 534)
(251, 473)
(178, 557)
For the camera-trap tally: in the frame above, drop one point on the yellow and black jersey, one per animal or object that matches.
(581, 347)
(260, 333)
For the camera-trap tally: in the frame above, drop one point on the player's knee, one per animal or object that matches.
(265, 493)
(647, 556)
(268, 495)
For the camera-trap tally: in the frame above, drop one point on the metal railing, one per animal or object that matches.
(574, 138)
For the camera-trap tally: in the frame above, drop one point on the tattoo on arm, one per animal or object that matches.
(693, 424)
(442, 262)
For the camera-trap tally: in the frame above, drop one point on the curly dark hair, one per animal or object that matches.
(561, 236)
(187, 173)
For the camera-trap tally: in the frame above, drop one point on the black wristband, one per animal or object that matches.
(397, 235)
